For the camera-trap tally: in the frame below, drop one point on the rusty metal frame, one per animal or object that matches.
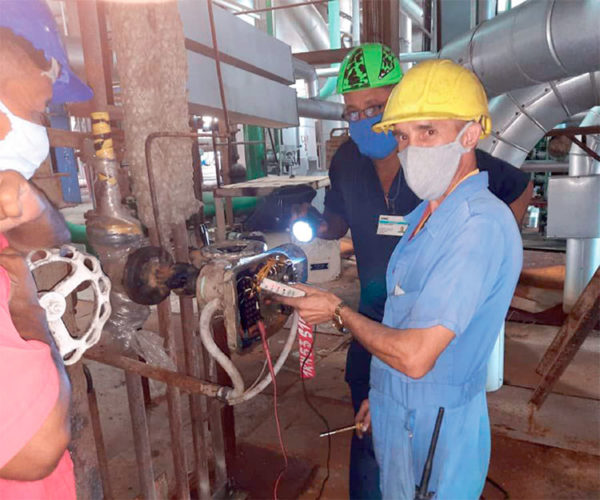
(571, 132)
(186, 383)
(206, 404)
(278, 7)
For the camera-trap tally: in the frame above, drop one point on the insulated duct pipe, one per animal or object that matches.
(308, 23)
(355, 23)
(405, 38)
(543, 40)
(316, 34)
(306, 72)
(521, 118)
(321, 110)
(335, 42)
(411, 9)
(583, 254)
(486, 9)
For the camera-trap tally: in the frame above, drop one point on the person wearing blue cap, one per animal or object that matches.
(35, 70)
(34, 388)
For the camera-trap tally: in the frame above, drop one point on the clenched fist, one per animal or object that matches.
(20, 202)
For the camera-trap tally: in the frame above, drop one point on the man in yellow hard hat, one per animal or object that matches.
(449, 284)
(369, 195)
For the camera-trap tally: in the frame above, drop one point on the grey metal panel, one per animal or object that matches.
(573, 207)
(251, 98)
(237, 38)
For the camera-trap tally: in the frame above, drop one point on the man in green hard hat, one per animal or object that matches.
(369, 196)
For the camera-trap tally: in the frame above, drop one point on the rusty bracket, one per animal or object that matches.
(585, 147)
(571, 132)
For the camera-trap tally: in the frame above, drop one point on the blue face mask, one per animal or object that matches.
(371, 144)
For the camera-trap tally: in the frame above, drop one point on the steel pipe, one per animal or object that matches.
(355, 23)
(417, 56)
(323, 110)
(278, 7)
(583, 254)
(192, 367)
(306, 72)
(486, 9)
(411, 9)
(309, 24)
(555, 167)
(169, 377)
(545, 40)
(141, 436)
(326, 72)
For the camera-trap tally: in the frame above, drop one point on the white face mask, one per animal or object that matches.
(429, 170)
(25, 146)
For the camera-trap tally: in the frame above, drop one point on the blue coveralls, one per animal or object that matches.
(357, 197)
(459, 271)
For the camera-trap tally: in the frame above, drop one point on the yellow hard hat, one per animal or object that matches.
(437, 90)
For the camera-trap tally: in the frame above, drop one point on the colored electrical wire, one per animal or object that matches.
(263, 335)
(314, 409)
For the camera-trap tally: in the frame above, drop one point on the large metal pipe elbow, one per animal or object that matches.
(306, 72)
(538, 41)
(522, 117)
(309, 24)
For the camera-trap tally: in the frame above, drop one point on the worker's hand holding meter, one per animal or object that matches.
(363, 419)
(317, 306)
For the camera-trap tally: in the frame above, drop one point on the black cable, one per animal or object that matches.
(498, 487)
(312, 407)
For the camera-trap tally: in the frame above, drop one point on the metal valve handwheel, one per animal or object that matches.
(83, 268)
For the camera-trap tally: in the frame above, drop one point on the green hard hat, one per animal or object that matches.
(368, 66)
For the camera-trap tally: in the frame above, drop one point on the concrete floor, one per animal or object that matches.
(554, 454)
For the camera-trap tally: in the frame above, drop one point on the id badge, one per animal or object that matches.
(392, 225)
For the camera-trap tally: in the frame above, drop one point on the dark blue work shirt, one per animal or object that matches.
(356, 195)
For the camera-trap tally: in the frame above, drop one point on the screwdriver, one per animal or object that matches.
(342, 429)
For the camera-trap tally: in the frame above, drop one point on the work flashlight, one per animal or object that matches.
(304, 229)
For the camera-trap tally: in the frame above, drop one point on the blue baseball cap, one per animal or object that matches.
(33, 20)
